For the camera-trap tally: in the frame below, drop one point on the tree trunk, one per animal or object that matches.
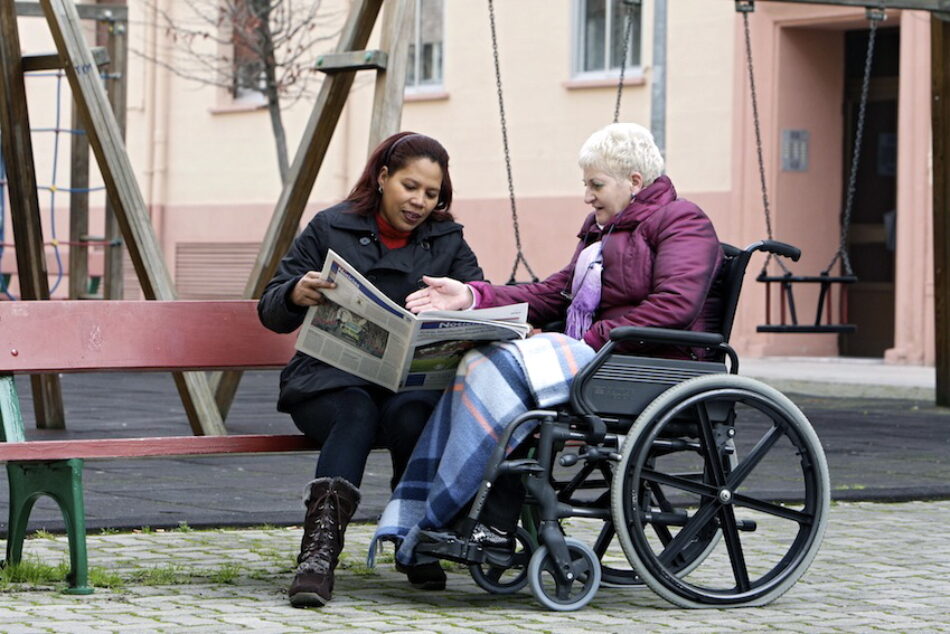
(271, 89)
(280, 135)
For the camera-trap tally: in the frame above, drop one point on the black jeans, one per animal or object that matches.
(348, 422)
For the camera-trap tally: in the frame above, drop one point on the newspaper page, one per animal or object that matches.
(357, 328)
(360, 330)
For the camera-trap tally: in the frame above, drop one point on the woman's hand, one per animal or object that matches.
(441, 293)
(307, 291)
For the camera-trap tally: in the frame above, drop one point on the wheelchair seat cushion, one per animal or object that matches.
(626, 384)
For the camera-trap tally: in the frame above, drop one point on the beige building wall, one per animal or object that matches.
(206, 164)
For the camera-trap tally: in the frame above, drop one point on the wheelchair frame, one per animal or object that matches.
(660, 435)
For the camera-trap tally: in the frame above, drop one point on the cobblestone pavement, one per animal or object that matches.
(882, 567)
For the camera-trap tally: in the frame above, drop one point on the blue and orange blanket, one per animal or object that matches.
(493, 385)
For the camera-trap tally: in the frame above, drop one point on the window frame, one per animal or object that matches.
(415, 60)
(631, 72)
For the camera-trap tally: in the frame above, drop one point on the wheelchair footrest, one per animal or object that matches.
(447, 545)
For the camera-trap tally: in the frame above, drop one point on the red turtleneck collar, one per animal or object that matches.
(390, 236)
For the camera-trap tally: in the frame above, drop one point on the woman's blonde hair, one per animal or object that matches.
(621, 149)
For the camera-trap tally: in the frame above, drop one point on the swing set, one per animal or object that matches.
(826, 281)
(788, 321)
(520, 259)
(939, 11)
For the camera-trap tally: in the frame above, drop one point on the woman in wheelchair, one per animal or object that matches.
(645, 257)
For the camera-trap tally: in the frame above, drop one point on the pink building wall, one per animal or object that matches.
(798, 52)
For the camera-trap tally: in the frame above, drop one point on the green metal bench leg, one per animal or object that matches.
(62, 481)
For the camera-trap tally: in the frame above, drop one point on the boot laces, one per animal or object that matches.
(322, 535)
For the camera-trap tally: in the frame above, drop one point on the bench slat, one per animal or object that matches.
(77, 336)
(157, 446)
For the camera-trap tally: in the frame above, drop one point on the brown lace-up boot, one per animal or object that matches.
(330, 503)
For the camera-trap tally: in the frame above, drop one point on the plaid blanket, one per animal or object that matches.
(493, 384)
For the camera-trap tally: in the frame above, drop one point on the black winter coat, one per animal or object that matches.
(435, 248)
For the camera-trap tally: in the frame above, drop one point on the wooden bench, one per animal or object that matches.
(105, 336)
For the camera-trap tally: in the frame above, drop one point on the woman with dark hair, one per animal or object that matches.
(394, 227)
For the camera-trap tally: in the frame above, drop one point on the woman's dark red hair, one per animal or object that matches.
(395, 153)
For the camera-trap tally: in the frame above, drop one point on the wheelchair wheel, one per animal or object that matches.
(558, 595)
(506, 580)
(770, 506)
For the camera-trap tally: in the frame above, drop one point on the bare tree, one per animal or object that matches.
(249, 47)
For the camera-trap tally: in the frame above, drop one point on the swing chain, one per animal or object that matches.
(628, 35)
(745, 7)
(504, 138)
(875, 16)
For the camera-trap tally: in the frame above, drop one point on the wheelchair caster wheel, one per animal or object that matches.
(565, 596)
(510, 579)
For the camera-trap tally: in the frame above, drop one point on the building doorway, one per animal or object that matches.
(872, 239)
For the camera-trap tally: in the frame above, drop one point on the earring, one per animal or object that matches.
(379, 188)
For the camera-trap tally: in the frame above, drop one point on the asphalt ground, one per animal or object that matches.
(877, 450)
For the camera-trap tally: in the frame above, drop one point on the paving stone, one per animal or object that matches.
(871, 591)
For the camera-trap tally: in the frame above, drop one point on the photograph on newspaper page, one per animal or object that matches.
(440, 343)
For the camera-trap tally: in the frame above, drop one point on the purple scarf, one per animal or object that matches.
(585, 291)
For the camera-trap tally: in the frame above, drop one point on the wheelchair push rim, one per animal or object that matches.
(767, 544)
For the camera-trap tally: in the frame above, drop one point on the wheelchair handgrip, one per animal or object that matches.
(666, 335)
(779, 248)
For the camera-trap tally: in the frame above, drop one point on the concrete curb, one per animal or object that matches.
(843, 377)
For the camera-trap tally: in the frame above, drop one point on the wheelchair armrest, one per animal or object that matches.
(666, 335)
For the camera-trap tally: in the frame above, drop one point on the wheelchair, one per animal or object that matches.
(714, 486)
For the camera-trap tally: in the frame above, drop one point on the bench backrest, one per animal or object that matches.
(82, 336)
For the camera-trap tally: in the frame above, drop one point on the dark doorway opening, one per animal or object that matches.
(872, 233)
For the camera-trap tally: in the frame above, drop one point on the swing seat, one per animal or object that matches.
(787, 309)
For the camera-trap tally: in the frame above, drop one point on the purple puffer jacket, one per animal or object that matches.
(661, 255)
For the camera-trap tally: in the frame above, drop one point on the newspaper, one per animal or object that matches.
(360, 330)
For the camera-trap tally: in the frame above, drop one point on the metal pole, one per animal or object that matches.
(658, 77)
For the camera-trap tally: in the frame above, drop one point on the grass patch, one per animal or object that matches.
(33, 572)
(281, 559)
(102, 578)
(108, 531)
(386, 557)
(161, 576)
(226, 573)
(264, 527)
(184, 528)
(41, 534)
(356, 565)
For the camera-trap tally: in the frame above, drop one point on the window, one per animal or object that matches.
(425, 49)
(599, 37)
(248, 79)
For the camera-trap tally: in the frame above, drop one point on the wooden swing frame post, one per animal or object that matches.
(940, 91)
